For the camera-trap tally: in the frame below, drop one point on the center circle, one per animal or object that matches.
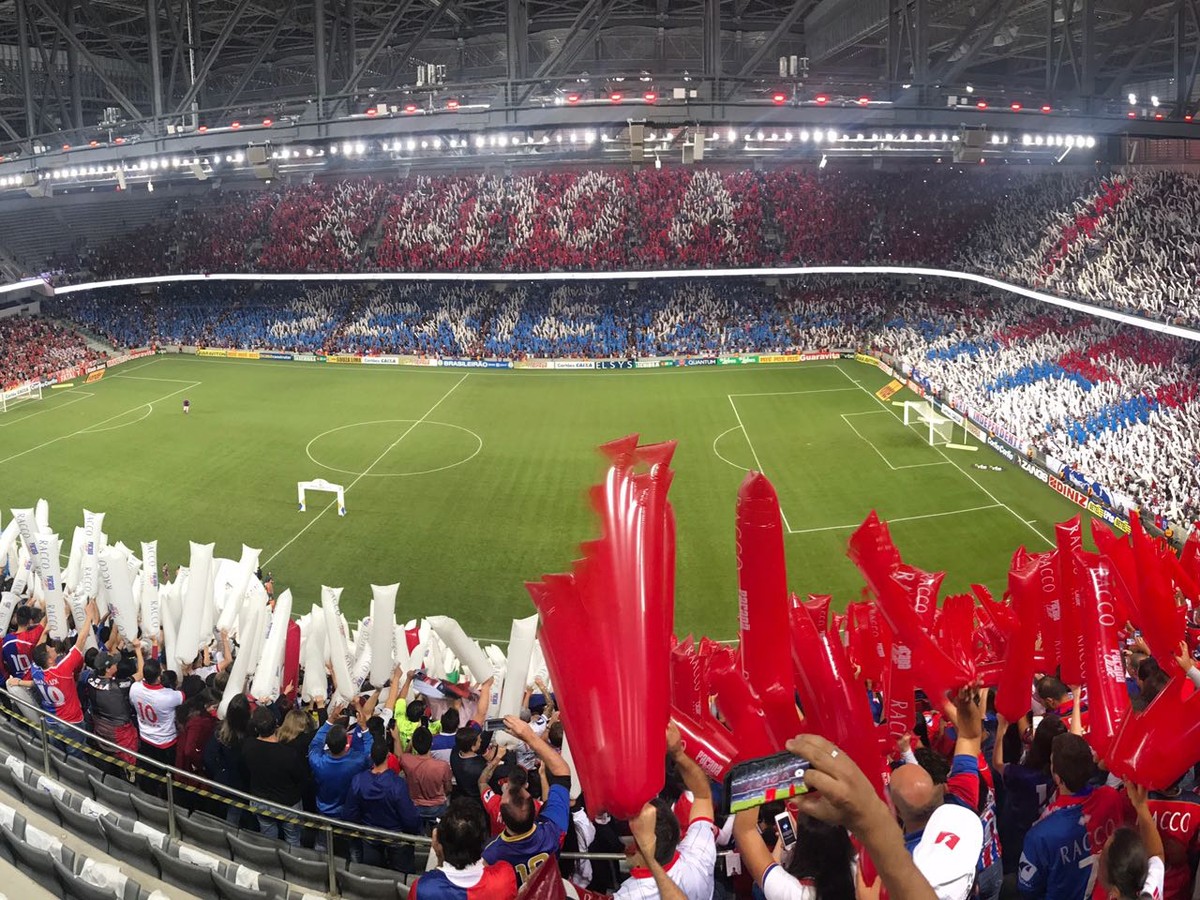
(383, 436)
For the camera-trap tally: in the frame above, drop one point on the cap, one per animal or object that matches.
(104, 660)
(948, 851)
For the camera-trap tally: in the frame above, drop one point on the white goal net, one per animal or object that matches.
(22, 394)
(936, 428)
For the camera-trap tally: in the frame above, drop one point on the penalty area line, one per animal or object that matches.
(953, 512)
(365, 472)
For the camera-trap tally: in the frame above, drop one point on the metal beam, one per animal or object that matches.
(517, 38)
(319, 67)
(264, 48)
(211, 56)
(964, 33)
(951, 72)
(1087, 50)
(117, 94)
(73, 78)
(570, 48)
(711, 43)
(381, 41)
(1156, 32)
(787, 23)
(98, 23)
(156, 94)
(26, 67)
(7, 128)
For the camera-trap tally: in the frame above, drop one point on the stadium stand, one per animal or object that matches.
(1122, 241)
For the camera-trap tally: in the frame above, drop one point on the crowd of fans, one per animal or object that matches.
(1126, 241)
(979, 807)
(37, 348)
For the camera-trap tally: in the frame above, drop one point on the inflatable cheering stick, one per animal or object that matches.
(834, 701)
(1103, 668)
(705, 740)
(872, 551)
(1069, 541)
(763, 605)
(606, 630)
(1161, 743)
(1162, 620)
(1013, 686)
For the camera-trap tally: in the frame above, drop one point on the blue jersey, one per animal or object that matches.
(1061, 854)
(539, 845)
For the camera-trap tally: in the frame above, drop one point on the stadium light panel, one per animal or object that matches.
(589, 137)
(1154, 100)
(731, 135)
(1026, 140)
(360, 148)
(787, 135)
(479, 142)
(803, 136)
(1091, 142)
(1132, 99)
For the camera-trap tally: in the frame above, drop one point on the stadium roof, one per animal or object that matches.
(107, 73)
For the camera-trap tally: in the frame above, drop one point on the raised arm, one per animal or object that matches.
(555, 764)
(485, 699)
(693, 776)
(1146, 828)
(643, 832)
(485, 777)
(998, 749)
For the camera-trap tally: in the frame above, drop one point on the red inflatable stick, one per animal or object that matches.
(1015, 684)
(763, 605)
(291, 660)
(1069, 540)
(1178, 574)
(1160, 744)
(741, 707)
(1189, 557)
(1119, 555)
(818, 605)
(900, 689)
(612, 608)
(1049, 609)
(869, 649)
(956, 627)
(923, 587)
(872, 551)
(1104, 670)
(1000, 616)
(707, 742)
(1162, 620)
(835, 703)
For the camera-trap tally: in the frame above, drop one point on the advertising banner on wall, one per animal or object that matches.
(271, 354)
(205, 351)
(381, 360)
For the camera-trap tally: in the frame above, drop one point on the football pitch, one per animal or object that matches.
(463, 484)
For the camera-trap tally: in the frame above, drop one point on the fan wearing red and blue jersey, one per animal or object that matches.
(1058, 860)
(1176, 814)
(531, 839)
(462, 873)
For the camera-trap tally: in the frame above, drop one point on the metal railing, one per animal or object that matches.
(178, 779)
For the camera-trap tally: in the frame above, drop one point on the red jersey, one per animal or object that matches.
(491, 803)
(59, 685)
(1178, 821)
(18, 648)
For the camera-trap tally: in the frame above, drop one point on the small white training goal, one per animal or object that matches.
(22, 394)
(320, 484)
(938, 430)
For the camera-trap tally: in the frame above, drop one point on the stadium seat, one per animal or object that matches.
(151, 810)
(128, 847)
(201, 830)
(8, 740)
(255, 856)
(87, 827)
(184, 875)
(39, 799)
(7, 776)
(261, 840)
(229, 890)
(309, 873)
(73, 773)
(31, 750)
(360, 887)
(75, 888)
(357, 868)
(40, 861)
(113, 797)
(18, 831)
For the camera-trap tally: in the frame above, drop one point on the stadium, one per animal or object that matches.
(719, 449)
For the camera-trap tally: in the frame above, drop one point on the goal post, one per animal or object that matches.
(320, 484)
(939, 431)
(25, 392)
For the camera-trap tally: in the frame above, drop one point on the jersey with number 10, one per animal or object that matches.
(18, 647)
(155, 708)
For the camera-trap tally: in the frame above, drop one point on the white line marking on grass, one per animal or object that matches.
(790, 393)
(953, 512)
(754, 453)
(313, 521)
(142, 366)
(92, 429)
(97, 424)
(871, 444)
(83, 396)
(718, 452)
(463, 461)
(993, 497)
(147, 378)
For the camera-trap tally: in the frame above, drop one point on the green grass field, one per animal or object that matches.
(464, 484)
